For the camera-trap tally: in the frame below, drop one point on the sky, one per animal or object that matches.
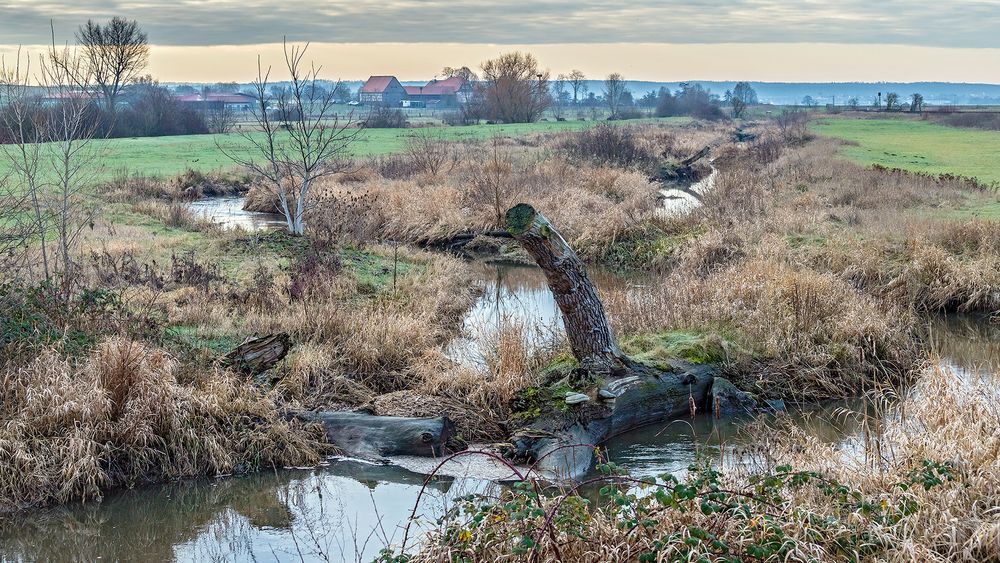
(762, 40)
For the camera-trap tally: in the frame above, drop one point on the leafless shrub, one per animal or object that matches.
(429, 153)
(385, 117)
(610, 145)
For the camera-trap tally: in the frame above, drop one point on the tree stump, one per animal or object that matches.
(257, 355)
(590, 335)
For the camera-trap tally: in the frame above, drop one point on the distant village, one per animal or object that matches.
(380, 90)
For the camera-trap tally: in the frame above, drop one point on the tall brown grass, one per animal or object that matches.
(119, 418)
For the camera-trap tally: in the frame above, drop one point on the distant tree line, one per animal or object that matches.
(109, 88)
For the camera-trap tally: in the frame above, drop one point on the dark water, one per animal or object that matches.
(347, 510)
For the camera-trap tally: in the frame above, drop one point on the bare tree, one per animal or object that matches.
(70, 153)
(916, 102)
(463, 72)
(614, 93)
(50, 153)
(558, 95)
(891, 101)
(740, 97)
(307, 141)
(578, 83)
(429, 152)
(492, 179)
(22, 147)
(115, 54)
(221, 117)
(516, 89)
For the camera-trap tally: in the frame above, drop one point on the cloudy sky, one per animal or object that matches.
(647, 39)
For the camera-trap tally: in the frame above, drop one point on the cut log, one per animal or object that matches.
(257, 355)
(696, 156)
(369, 436)
(590, 335)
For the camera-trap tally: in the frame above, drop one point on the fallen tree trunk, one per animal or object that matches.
(562, 443)
(624, 395)
(370, 436)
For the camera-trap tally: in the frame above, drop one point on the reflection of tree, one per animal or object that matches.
(148, 523)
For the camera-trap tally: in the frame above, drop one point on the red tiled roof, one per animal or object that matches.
(376, 84)
(444, 87)
(413, 90)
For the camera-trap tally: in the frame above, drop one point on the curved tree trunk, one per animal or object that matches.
(590, 335)
(561, 442)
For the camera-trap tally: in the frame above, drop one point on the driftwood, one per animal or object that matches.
(626, 394)
(257, 355)
(370, 436)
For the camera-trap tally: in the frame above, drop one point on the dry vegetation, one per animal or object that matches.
(121, 385)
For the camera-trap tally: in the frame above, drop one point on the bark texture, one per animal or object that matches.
(590, 335)
(257, 355)
(628, 394)
(561, 443)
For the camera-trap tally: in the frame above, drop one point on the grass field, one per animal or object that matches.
(169, 156)
(917, 146)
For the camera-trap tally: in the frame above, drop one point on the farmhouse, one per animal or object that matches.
(388, 91)
(449, 92)
(382, 90)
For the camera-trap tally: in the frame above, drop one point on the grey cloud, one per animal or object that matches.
(961, 23)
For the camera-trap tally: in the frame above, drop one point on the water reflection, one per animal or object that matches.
(344, 512)
(516, 296)
(228, 211)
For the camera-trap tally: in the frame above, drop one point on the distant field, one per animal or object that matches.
(917, 146)
(168, 156)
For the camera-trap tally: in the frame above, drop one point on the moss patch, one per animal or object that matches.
(695, 346)
(642, 249)
(533, 402)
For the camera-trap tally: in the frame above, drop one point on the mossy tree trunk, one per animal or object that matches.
(590, 335)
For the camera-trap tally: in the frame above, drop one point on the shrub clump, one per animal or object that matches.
(612, 146)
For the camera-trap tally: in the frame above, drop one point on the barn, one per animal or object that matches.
(382, 90)
(449, 92)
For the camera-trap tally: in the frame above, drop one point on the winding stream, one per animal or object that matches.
(346, 510)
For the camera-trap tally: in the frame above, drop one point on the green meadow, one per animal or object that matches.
(169, 156)
(917, 146)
